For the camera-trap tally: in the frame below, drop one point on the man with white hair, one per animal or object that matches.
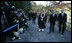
(53, 18)
(62, 18)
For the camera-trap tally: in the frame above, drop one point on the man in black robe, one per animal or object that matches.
(62, 19)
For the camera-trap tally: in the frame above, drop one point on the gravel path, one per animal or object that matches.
(33, 35)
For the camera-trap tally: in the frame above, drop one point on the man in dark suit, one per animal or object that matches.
(62, 18)
(53, 18)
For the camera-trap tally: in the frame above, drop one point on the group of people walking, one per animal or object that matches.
(42, 20)
(61, 18)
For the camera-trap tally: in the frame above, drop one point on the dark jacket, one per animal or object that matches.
(53, 18)
(63, 18)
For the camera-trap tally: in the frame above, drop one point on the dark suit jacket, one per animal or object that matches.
(53, 19)
(63, 18)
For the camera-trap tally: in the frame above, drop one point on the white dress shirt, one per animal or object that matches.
(62, 14)
(53, 15)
